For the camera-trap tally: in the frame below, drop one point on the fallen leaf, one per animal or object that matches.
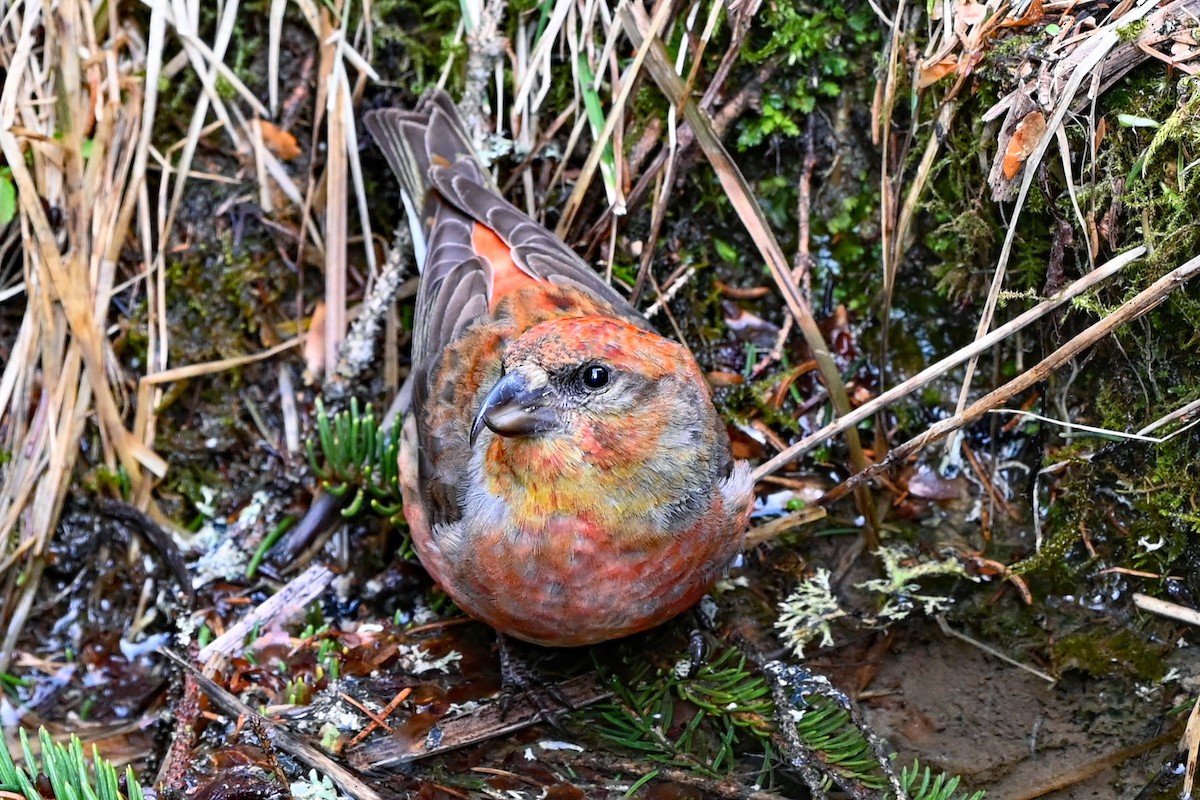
(314, 343)
(1101, 132)
(1033, 14)
(1024, 141)
(724, 378)
(927, 484)
(933, 73)
(1181, 51)
(749, 327)
(279, 141)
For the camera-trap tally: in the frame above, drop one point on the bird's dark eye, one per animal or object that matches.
(595, 376)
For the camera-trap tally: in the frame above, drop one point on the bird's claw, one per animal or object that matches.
(697, 651)
(521, 678)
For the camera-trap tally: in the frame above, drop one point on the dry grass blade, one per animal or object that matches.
(274, 38)
(336, 195)
(540, 57)
(207, 62)
(781, 525)
(334, 108)
(1184, 412)
(59, 373)
(628, 81)
(77, 134)
(1099, 45)
(885, 102)
(742, 199)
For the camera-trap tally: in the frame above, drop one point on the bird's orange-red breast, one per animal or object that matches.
(565, 475)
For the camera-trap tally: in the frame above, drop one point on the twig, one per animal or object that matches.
(988, 485)
(1070, 777)
(357, 350)
(1166, 608)
(400, 697)
(1179, 413)
(348, 781)
(172, 772)
(485, 46)
(933, 371)
(604, 762)
(297, 594)
(1144, 301)
(336, 212)
(802, 266)
(991, 651)
(484, 723)
(376, 720)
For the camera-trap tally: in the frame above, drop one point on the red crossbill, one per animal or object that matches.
(565, 475)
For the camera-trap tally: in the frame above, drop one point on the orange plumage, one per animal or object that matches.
(565, 475)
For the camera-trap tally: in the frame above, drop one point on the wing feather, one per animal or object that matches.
(535, 250)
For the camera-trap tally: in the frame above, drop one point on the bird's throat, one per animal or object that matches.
(547, 482)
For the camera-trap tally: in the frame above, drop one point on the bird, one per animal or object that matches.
(565, 475)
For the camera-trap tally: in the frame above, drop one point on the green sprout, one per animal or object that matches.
(67, 771)
(360, 460)
(921, 784)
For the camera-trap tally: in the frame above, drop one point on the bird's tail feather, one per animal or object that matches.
(412, 142)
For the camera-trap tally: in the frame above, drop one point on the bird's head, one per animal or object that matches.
(568, 376)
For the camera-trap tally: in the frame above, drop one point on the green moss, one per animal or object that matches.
(1053, 554)
(245, 56)
(414, 39)
(821, 45)
(1127, 33)
(226, 295)
(1110, 650)
(1004, 54)
(1163, 186)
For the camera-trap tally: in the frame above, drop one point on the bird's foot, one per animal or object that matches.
(521, 678)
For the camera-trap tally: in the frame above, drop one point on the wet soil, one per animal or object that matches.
(1010, 732)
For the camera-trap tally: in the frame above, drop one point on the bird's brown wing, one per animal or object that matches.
(431, 154)
(455, 282)
(534, 250)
